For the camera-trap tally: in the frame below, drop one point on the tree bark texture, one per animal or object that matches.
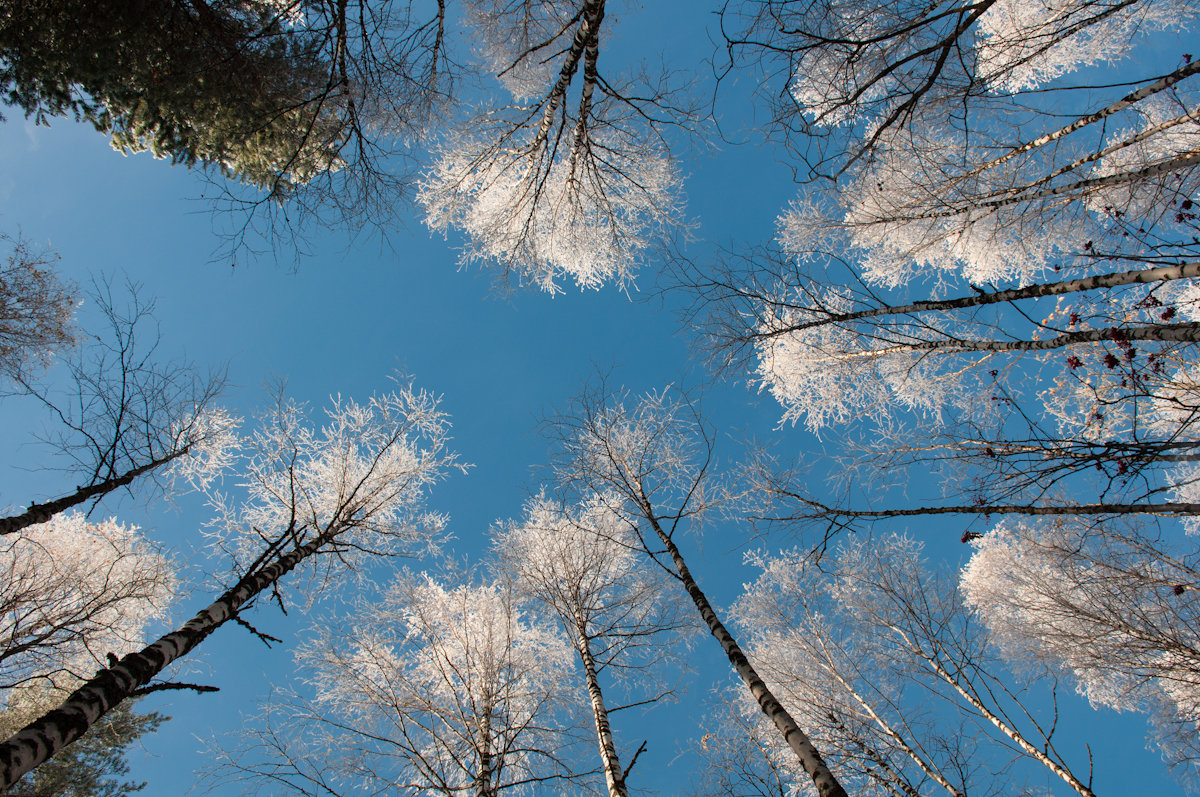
(1167, 509)
(827, 785)
(613, 775)
(586, 36)
(1098, 282)
(40, 513)
(1188, 332)
(483, 778)
(44, 737)
(1161, 84)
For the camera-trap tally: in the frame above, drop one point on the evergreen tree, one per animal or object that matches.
(95, 765)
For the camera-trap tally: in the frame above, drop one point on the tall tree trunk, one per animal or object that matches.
(44, 737)
(1188, 332)
(1161, 84)
(483, 778)
(1165, 509)
(40, 513)
(1011, 733)
(827, 785)
(587, 34)
(1140, 276)
(890, 779)
(613, 775)
(1180, 162)
(927, 767)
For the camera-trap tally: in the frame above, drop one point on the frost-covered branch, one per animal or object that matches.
(124, 414)
(355, 486)
(650, 463)
(573, 181)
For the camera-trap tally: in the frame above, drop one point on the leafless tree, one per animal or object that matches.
(384, 79)
(71, 591)
(737, 755)
(432, 689)
(1014, 397)
(581, 563)
(1111, 604)
(125, 413)
(843, 78)
(650, 463)
(881, 657)
(302, 111)
(574, 178)
(352, 489)
(36, 309)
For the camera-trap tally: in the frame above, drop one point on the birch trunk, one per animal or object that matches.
(613, 775)
(826, 784)
(1098, 282)
(1177, 163)
(1171, 333)
(1165, 509)
(1125, 102)
(40, 513)
(925, 766)
(1011, 733)
(44, 737)
(586, 34)
(483, 779)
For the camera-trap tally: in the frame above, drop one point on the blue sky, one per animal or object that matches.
(359, 309)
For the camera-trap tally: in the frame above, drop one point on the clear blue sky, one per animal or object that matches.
(355, 312)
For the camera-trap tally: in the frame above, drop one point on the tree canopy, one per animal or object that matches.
(953, 248)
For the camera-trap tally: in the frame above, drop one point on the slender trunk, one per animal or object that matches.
(613, 775)
(44, 737)
(1137, 96)
(1098, 282)
(40, 513)
(483, 779)
(1012, 733)
(894, 735)
(1082, 451)
(1093, 157)
(1167, 509)
(1165, 333)
(1178, 163)
(589, 28)
(590, 76)
(827, 785)
(894, 782)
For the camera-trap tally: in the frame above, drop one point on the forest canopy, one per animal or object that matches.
(890, 490)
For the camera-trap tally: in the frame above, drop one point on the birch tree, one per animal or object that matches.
(1000, 211)
(582, 563)
(947, 158)
(831, 347)
(1112, 605)
(1075, 392)
(316, 499)
(877, 72)
(739, 756)
(431, 689)
(650, 463)
(122, 413)
(36, 309)
(867, 648)
(96, 766)
(573, 179)
(74, 591)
